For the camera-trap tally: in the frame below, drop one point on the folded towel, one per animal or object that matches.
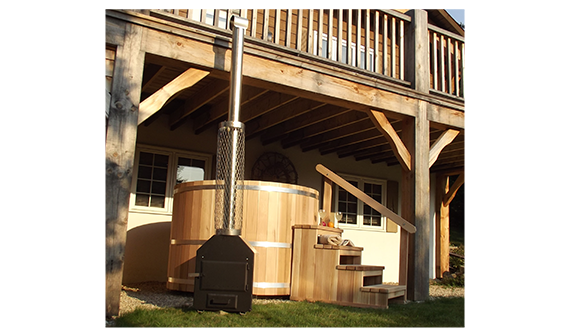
(330, 239)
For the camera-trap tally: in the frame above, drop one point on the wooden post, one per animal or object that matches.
(442, 226)
(120, 147)
(417, 51)
(416, 182)
(415, 206)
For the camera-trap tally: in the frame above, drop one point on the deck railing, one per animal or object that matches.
(380, 32)
(447, 61)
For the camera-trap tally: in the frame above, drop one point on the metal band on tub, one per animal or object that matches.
(254, 187)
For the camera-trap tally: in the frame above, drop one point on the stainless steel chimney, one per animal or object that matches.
(224, 265)
(230, 145)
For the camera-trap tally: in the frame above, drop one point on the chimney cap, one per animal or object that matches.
(238, 22)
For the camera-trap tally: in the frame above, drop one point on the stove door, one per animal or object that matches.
(224, 275)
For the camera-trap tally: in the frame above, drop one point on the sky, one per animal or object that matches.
(457, 14)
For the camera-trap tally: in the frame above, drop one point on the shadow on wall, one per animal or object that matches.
(147, 253)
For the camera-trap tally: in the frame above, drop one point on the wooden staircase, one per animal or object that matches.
(334, 274)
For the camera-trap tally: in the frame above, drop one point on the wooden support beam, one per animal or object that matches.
(210, 92)
(415, 206)
(365, 198)
(441, 226)
(384, 126)
(120, 147)
(453, 190)
(446, 138)
(155, 101)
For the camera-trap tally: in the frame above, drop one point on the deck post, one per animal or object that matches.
(417, 51)
(416, 183)
(120, 148)
(415, 248)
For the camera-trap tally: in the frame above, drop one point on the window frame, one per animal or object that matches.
(360, 204)
(173, 155)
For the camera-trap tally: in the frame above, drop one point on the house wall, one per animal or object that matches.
(147, 243)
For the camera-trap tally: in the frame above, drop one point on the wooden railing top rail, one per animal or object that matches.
(446, 33)
(366, 199)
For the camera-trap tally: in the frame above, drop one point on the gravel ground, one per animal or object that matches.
(153, 295)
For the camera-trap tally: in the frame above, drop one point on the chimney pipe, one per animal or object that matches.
(230, 146)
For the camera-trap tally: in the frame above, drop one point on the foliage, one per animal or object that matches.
(443, 312)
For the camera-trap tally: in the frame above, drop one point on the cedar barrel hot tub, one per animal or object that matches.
(270, 211)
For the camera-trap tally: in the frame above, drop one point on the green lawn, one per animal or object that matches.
(444, 312)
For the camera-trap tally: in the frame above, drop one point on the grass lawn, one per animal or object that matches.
(443, 312)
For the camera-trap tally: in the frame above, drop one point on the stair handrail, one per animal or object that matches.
(403, 223)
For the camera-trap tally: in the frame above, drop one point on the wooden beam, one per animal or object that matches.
(277, 132)
(210, 92)
(120, 147)
(453, 190)
(442, 227)
(337, 133)
(384, 126)
(218, 110)
(324, 126)
(446, 138)
(155, 101)
(365, 198)
(284, 113)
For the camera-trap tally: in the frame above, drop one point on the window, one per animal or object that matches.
(357, 214)
(158, 170)
(343, 50)
(151, 183)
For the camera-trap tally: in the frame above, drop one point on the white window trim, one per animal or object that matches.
(174, 155)
(360, 212)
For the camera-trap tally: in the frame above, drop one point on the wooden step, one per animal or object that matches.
(338, 247)
(380, 295)
(384, 288)
(363, 268)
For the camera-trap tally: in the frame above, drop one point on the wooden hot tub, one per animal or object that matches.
(270, 211)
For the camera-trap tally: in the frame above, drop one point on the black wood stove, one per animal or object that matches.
(225, 263)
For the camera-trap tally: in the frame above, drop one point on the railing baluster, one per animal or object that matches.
(457, 68)
(254, 23)
(442, 63)
(358, 39)
(393, 50)
(320, 33)
(277, 26)
(348, 48)
(449, 66)
(288, 27)
(310, 32)
(376, 41)
(367, 61)
(462, 69)
(435, 77)
(340, 35)
(265, 24)
(330, 35)
(216, 18)
(402, 49)
(204, 16)
(385, 51)
(299, 28)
